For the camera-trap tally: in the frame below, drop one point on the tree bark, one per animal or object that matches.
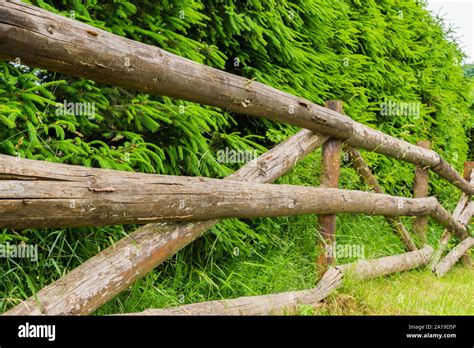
(459, 251)
(43, 39)
(370, 180)
(459, 216)
(453, 256)
(99, 279)
(68, 196)
(274, 304)
(287, 303)
(367, 269)
(330, 170)
(422, 176)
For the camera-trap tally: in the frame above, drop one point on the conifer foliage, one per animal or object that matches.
(369, 54)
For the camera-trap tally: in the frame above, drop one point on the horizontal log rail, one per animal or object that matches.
(461, 214)
(275, 304)
(43, 39)
(105, 275)
(38, 194)
(289, 302)
(459, 250)
(366, 269)
(364, 171)
(453, 256)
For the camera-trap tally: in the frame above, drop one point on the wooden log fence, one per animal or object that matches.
(98, 197)
(177, 210)
(459, 251)
(47, 40)
(113, 270)
(275, 304)
(330, 169)
(370, 180)
(460, 214)
(289, 302)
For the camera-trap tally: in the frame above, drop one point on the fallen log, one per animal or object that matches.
(113, 270)
(275, 304)
(366, 269)
(370, 180)
(43, 39)
(47, 195)
(420, 190)
(287, 303)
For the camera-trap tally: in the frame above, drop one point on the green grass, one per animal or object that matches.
(250, 257)
(417, 292)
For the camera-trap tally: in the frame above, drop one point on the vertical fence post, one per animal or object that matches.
(420, 190)
(329, 178)
(468, 168)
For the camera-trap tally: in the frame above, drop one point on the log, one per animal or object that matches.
(453, 256)
(458, 216)
(43, 39)
(46, 195)
(113, 270)
(366, 269)
(459, 251)
(287, 303)
(275, 304)
(330, 170)
(468, 170)
(370, 180)
(420, 190)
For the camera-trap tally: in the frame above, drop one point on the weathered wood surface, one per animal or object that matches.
(453, 256)
(43, 39)
(420, 190)
(459, 215)
(288, 302)
(370, 180)
(366, 269)
(460, 250)
(113, 270)
(273, 304)
(38, 194)
(330, 170)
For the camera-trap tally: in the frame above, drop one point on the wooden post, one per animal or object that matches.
(370, 180)
(420, 190)
(330, 170)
